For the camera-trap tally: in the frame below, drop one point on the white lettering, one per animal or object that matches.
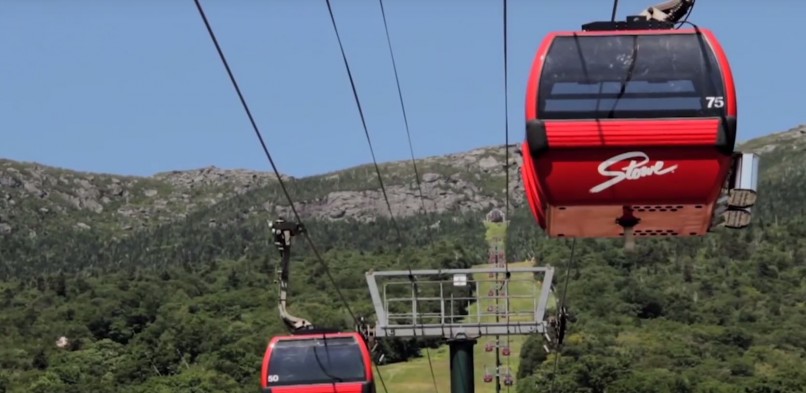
(715, 102)
(633, 171)
(274, 378)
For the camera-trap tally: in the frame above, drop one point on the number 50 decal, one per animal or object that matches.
(274, 378)
(715, 102)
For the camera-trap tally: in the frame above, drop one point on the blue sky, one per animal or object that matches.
(136, 87)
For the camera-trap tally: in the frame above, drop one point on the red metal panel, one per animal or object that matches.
(630, 176)
(530, 186)
(615, 133)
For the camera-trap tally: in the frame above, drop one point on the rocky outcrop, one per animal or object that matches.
(238, 180)
(84, 199)
(454, 183)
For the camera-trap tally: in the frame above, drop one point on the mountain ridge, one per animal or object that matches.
(170, 195)
(761, 144)
(36, 197)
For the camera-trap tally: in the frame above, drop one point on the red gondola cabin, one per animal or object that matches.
(317, 363)
(628, 124)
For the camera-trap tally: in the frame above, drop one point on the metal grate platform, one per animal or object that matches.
(436, 303)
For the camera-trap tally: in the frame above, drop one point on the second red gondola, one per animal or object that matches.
(317, 363)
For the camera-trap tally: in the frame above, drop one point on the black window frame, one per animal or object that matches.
(306, 370)
(608, 59)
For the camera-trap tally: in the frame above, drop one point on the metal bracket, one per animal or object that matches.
(744, 181)
(734, 205)
(283, 232)
(439, 306)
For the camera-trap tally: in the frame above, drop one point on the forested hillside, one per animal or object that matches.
(165, 284)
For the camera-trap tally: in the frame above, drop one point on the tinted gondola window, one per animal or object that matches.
(630, 76)
(312, 361)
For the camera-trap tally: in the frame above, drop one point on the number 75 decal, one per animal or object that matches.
(715, 102)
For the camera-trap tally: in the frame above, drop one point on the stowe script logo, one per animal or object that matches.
(633, 171)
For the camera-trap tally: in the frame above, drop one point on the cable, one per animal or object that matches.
(685, 19)
(506, 136)
(274, 168)
(506, 199)
(380, 376)
(268, 156)
(403, 109)
(372, 152)
(363, 119)
(411, 151)
(615, 7)
(560, 308)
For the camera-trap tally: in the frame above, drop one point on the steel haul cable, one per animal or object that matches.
(560, 307)
(506, 205)
(403, 109)
(615, 8)
(277, 172)
(411, 151)
(375, 161)
(571, 264)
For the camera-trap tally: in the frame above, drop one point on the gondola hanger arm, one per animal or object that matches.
(669, 11)
(283, 232)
